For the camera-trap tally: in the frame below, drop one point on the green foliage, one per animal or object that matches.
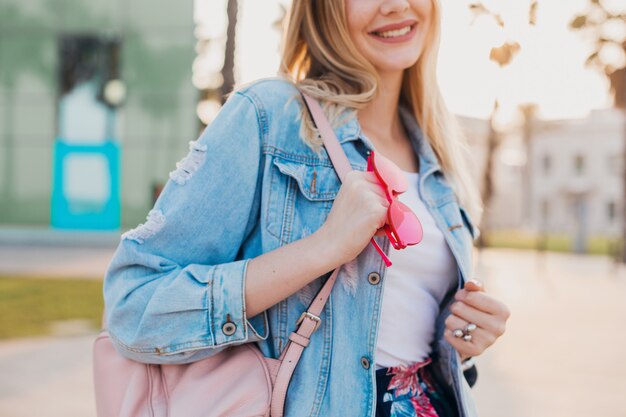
(28, 306)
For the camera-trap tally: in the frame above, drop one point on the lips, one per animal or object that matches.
(394, 28)
(394, 33)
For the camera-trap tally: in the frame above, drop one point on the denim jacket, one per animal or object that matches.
(174, 290)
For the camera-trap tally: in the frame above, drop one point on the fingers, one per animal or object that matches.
(481, 339)
(489, 322)
(473, 305)
(480, 336)
(365, 180)
(370, 177)
(381, 196)
(483, 302)
(454, 322)
(474, 285)
(464, 348)
(374, 185)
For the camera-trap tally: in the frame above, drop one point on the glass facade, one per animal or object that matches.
(96, 106)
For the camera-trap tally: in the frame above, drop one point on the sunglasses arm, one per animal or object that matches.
(382, 253)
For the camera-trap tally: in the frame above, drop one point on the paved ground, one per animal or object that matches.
(55, 262)
(563, 354)
(51, 253)
(48, 377)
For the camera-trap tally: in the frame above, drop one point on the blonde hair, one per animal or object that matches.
(319, 56)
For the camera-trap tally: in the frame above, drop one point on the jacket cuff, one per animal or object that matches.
(227, 306)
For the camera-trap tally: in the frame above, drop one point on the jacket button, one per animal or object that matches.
(373, 278)
(229, 328)
(365, 363)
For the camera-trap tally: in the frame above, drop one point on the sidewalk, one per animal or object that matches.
(55, 254)
(562, 354)
(51, 376)
(47, 377)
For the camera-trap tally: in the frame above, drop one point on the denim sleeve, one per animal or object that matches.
(174, 290)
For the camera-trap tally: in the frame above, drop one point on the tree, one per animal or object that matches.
(228, 70)
(596, 22)
(215, 84)
(503, 56)
(529, 113)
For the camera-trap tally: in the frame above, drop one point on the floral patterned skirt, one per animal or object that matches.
(409, 391)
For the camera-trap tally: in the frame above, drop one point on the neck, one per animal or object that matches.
(380, 117)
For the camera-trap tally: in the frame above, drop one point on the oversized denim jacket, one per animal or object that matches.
(174, 290)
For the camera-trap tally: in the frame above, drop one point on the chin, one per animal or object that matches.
(393, 64)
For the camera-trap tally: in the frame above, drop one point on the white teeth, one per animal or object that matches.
(394, 33)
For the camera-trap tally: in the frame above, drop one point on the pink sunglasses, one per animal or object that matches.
(403, 228)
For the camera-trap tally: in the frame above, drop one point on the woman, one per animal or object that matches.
(254, 219)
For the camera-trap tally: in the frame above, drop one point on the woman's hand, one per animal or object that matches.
(473, 305)
(357, 213)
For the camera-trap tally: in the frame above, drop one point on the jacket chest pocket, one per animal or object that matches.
(300, 198)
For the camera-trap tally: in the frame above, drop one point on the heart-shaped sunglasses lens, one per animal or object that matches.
(403, 228)
(405, 225)
(389, 173)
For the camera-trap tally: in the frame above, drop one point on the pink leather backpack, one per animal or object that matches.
(236, 382)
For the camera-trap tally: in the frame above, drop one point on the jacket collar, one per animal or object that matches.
(350, 129)
(419, 140)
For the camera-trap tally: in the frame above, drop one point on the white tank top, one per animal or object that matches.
(415, 284)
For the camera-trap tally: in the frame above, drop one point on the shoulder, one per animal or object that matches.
(278, 105)
(270, 94)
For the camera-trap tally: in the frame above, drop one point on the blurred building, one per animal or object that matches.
(577, 177)
(506, 210)
(90, 91)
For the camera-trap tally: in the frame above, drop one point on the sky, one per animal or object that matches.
(548, 71)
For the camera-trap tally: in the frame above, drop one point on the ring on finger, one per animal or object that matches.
(469, 328)
(467, 337)
(458, 333)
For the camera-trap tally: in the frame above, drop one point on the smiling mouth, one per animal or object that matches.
(395, 33)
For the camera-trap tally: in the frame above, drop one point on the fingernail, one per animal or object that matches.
(477, 282)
